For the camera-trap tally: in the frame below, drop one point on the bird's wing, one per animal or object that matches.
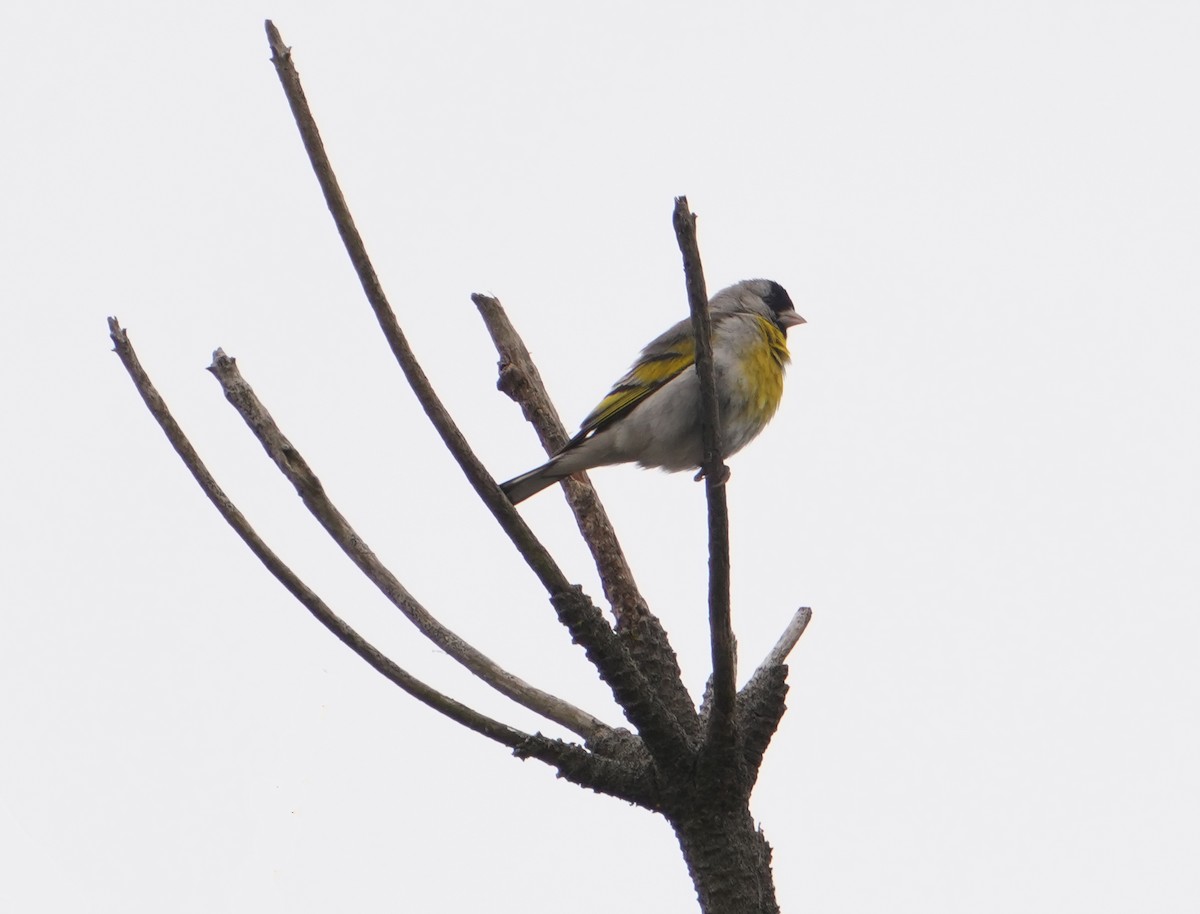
(659, 362)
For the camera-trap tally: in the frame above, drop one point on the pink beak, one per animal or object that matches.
(790, 319)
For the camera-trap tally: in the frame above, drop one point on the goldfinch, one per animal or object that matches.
(652, 415)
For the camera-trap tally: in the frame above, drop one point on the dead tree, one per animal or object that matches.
(694, 766)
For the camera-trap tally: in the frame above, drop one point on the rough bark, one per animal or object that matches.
(728, 858)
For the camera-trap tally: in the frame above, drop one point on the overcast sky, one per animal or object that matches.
(983, 477)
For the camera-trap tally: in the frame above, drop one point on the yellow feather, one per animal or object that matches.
(763, 368)
(649, 374)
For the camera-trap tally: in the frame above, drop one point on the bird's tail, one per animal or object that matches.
(521, 487)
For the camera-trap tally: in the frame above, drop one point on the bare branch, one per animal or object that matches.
(629, 777)
(760, 707)
(456, 711)
(520, 379)
(724, 653)
(640, 630)
(519, 376)
(531, 550)
(693, 270)
(656, 724)
(760, 703)
(665, 737)
(312, 493)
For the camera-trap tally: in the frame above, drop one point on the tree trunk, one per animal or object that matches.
(729, 859)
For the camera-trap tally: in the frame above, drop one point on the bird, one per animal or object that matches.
(651, 416)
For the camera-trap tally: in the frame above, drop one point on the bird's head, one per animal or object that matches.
(760, 296)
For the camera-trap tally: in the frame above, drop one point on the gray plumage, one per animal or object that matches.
(652, 415)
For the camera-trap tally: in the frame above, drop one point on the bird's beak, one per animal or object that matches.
(790, 319)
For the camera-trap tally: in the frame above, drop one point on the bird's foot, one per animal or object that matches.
(720, 479)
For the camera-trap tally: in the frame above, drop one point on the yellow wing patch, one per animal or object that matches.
(651, 372)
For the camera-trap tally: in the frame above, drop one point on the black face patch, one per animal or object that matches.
(777, 299)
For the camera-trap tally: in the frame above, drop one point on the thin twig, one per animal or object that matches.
(791, 635)
(724, 654)
(520, 379)
(290, 462)
(652, 720)
(534, 553)
(455, 710)
(640, 629)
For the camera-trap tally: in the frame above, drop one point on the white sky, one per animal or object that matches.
(983, 477)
